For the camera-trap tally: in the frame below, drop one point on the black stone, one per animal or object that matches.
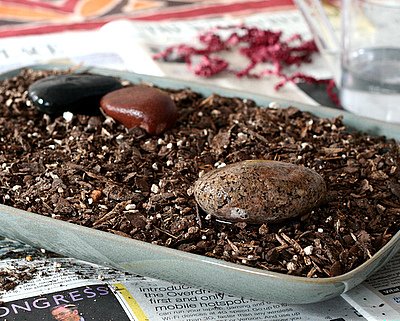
(79, 93)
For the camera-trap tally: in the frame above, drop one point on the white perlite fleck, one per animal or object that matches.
(130, 207)
(155, 189)
(67, 115)
(308, 250)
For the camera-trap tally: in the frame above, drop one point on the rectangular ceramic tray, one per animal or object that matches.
(180, 267)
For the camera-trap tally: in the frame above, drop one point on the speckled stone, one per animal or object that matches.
(78, 93)
(141, 106)
(259, 191)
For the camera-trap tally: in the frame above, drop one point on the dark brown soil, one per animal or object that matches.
(94, 172)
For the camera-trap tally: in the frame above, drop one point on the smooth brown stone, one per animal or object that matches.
(259, 191)
(141, 106)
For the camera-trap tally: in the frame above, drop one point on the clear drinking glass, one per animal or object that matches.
(364, 56)
(370, 58)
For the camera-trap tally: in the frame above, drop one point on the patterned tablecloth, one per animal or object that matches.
(23, 17)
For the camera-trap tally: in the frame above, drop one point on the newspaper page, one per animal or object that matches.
(35, 284)
(52, 288)
(379, 296)
(81, 48)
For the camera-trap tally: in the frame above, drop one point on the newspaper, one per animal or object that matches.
(81, 48)
(379, 297)
(99, 293)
